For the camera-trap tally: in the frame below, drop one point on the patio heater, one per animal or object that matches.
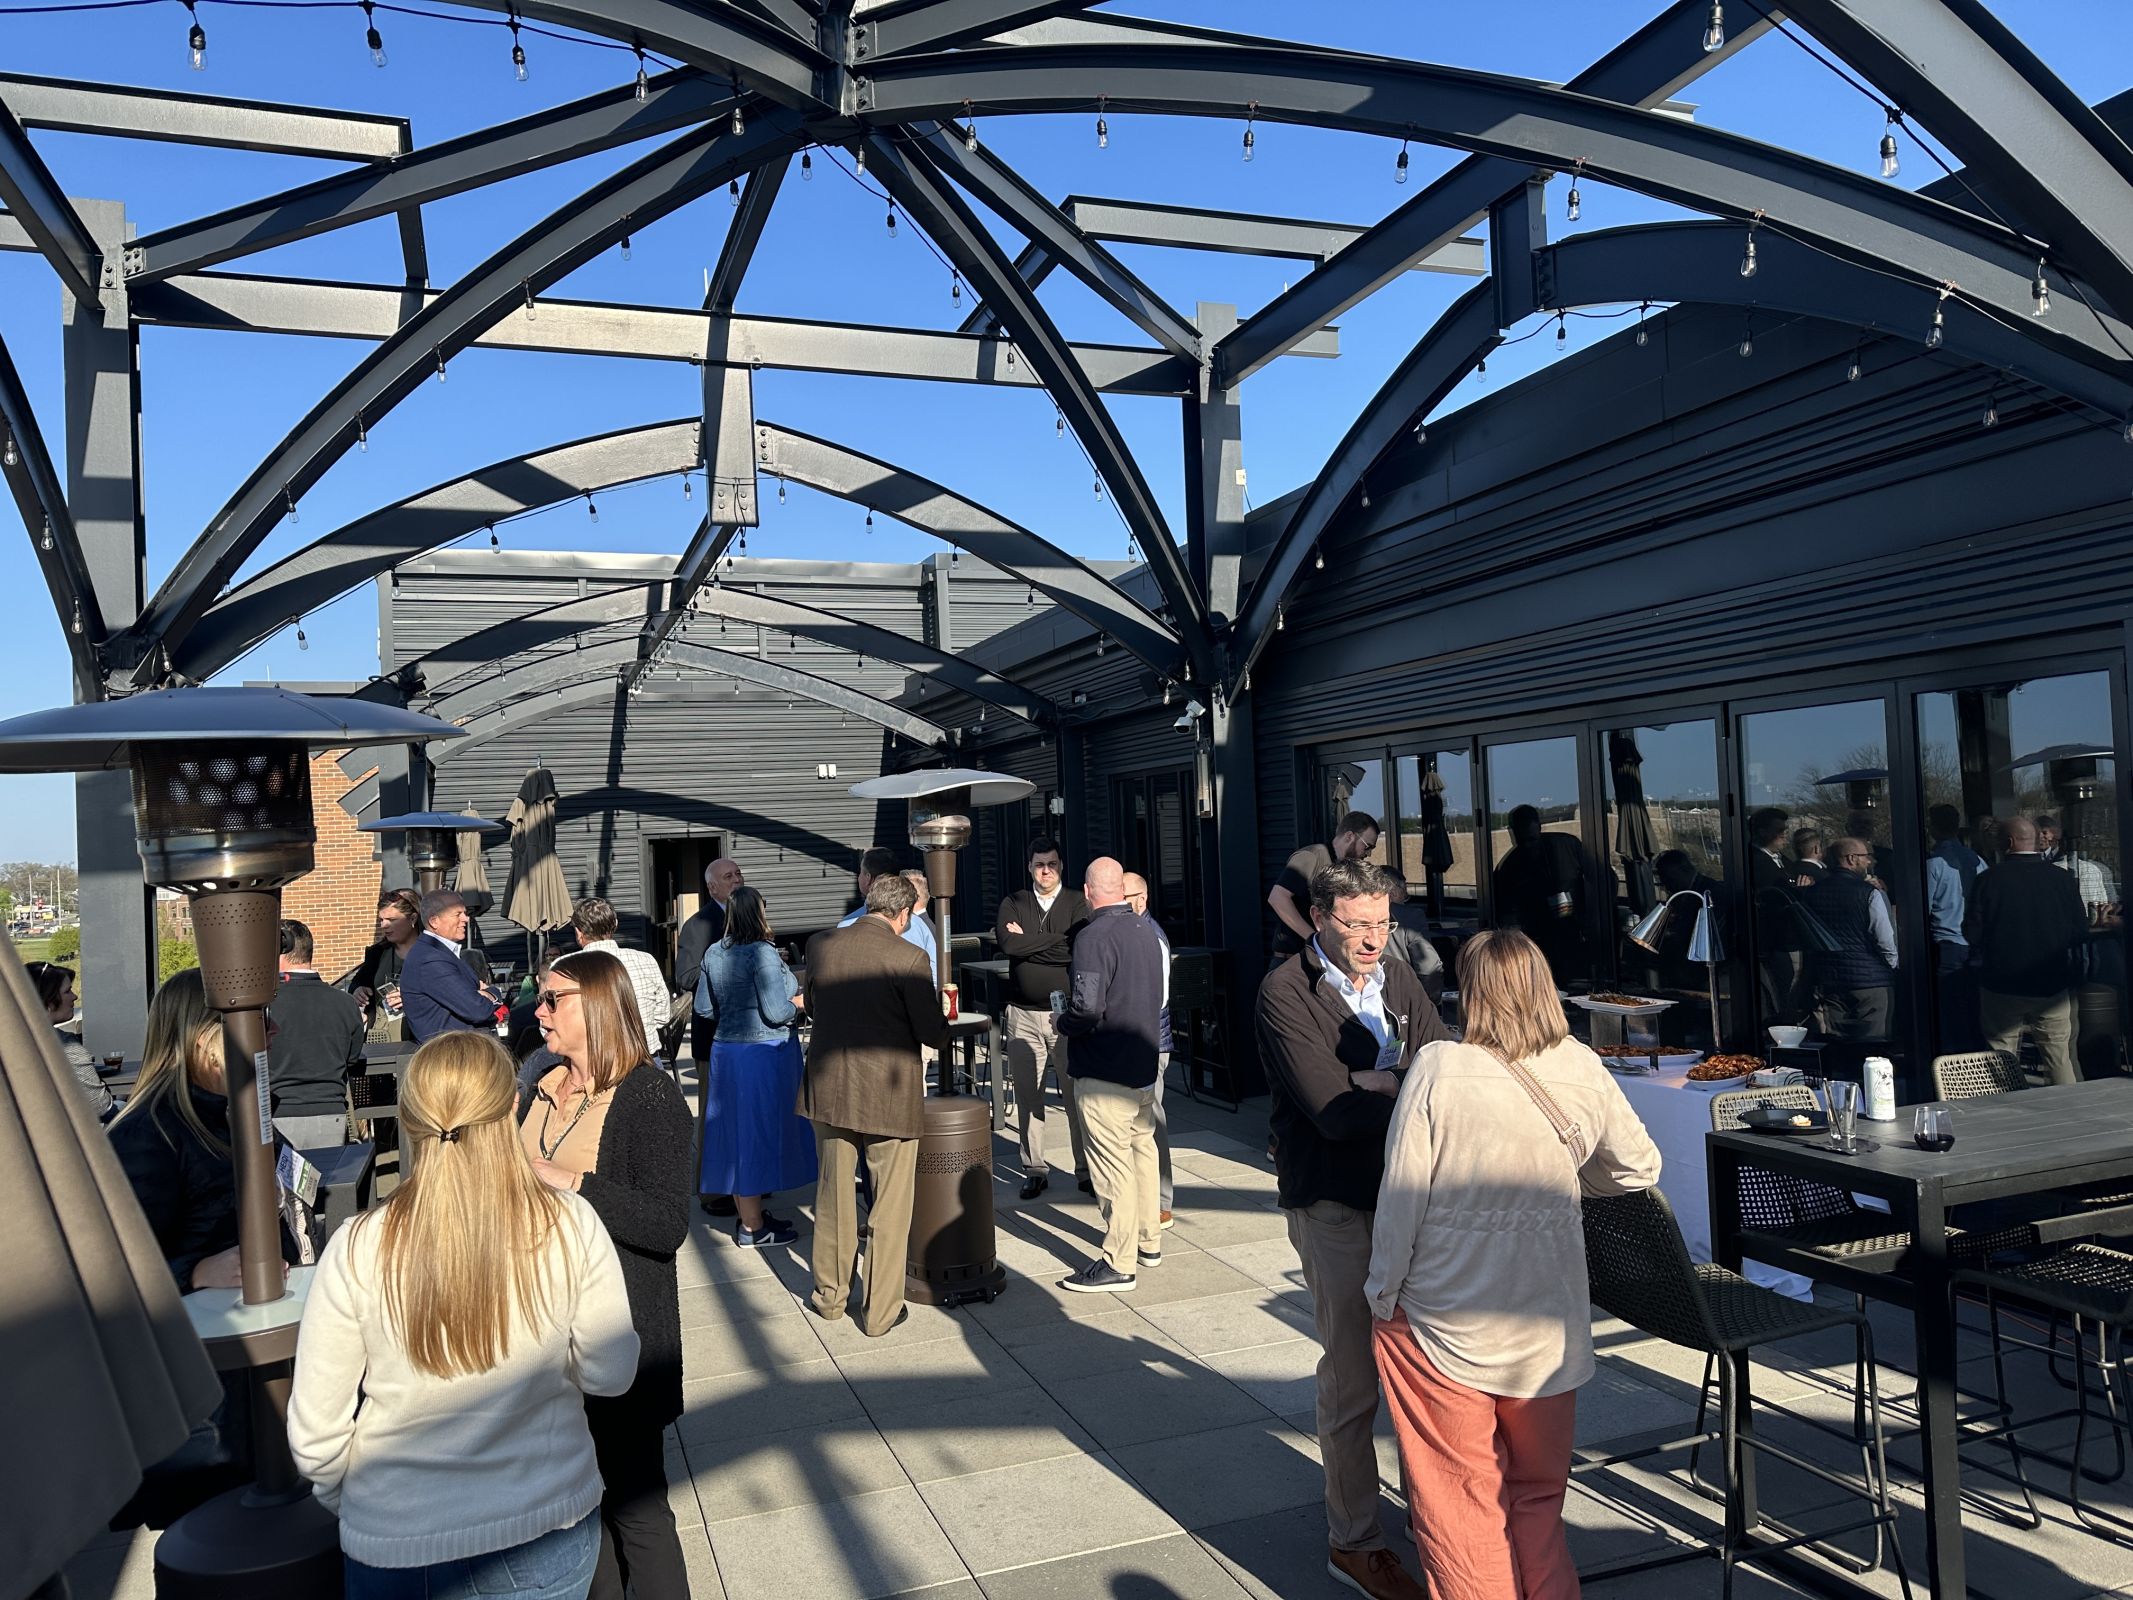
(432, 840)
(951, 1254)
(1705, 944)
(222, 811)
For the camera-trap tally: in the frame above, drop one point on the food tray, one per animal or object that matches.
(1640, 1061)
(1645, 1008)
(1777, 1121)
(1740, 1080)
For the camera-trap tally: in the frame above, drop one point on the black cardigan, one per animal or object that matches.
(187, 1189)
(643, 1180)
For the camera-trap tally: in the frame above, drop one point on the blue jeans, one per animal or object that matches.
(556, 1566)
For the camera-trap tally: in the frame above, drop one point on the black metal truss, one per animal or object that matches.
(916, 184)
(598, 122)
(35, 199)
(698, 563)
(42, 499)
(702, 160)
(905, 25)
(745, 232)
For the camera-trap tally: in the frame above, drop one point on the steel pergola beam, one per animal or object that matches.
(743, 234)
(999, 187)
(352, 555)
(1238, 234)
(935, 206)
(1643, 72)
(599, 122)
(2023, 135)
(698, 562)
(66, 106)
(245, 303)
(906, 25)
(35, 199)
(1860, 218)
(647, 189)
(1444, 355)
(42, 499)
(992, 538)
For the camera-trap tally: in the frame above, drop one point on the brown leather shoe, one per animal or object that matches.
(1377, 1573)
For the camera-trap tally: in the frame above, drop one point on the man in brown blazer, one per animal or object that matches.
(874, 1006)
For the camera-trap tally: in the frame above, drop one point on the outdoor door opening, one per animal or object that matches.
(674, 887)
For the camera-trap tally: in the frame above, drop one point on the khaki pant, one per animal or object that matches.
(1162, 1132)
(2048, 1017)
(1118, 1127)
(892, 1167)
(1333, 1242)
(1032, 1050)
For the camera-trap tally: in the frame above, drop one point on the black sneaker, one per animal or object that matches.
(1150, 1258)
(771, 1232)
(1098, 1278)
(1035, 1183)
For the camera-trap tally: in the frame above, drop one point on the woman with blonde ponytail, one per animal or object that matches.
(447, 1347)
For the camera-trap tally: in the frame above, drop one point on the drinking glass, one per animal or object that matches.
(1843, 1114)
(1933, 1128)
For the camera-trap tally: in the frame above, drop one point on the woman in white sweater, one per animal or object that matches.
(1477, 1273)
(446, 1351)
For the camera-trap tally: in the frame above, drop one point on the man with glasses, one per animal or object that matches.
(1337, 1023)
(1035, 930)
(1855, 981)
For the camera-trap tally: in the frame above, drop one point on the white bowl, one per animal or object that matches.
(1788, 1038)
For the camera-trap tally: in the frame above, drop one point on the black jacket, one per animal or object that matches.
(1115, 1015)
(318, 1041)
(2025, 920)
(1329, 1136)
(1038, 957)
(643, 1180)
(698, 934)
(187, 1188)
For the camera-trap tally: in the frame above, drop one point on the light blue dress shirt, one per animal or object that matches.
(919, 935)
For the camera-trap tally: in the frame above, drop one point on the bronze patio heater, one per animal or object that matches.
(951, 1257)
(222, 810)
(432, 840)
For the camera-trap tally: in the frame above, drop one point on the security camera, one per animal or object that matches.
(1194, 711)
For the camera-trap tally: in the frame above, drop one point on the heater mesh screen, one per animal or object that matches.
(211, 790)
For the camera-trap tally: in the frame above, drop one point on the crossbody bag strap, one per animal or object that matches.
(1567, 1132)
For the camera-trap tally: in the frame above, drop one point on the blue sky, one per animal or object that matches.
(214, 404)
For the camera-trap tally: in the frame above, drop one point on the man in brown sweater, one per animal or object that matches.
(874, 1007)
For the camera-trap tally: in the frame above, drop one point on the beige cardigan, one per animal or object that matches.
(1478, 1237)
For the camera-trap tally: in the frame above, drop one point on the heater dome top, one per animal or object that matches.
(101, 734)
(986, 788)
(456, 821)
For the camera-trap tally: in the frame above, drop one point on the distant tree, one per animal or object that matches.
(65, 944)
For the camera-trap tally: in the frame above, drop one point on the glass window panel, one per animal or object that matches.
(1823, 932)
(1436, 791)
(1542, 877)
(1359, 785)
(2040, 749)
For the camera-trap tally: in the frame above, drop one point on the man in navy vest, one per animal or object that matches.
(1856, 981)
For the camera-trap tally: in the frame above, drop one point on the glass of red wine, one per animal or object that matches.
(1933, 1128)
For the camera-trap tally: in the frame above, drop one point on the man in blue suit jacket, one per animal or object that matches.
(437, 991)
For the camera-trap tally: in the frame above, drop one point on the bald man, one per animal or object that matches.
(2025, 920)
(1114, 1016)
(698, 935)
(1137, 902)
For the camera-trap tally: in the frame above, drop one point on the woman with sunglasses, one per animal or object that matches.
(607, 1124)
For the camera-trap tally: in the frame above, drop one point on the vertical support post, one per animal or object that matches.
(729, 447)
(1070, 754)
(403, 786)
(100, 349)
(1239, 927)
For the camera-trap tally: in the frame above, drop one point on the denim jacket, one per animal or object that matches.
(747, 993)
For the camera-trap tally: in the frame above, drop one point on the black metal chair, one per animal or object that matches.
(1640, 1271)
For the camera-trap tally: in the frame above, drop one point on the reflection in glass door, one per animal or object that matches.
(1359, 785)
(1436, 849)
(2010, 767)
(1820, 861)
(1542, 878)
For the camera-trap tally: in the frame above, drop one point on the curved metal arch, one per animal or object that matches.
(1707, 170)
(927, 506)
(351, 555)
(42, 500)
(646, 603)
(642, 192)
(907, 173)
(545, 672)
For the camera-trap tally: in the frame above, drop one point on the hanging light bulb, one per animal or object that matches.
(1747, 336)
(1250, 141)
(970, 130)
(1888, 143)
(527, 285)
(736, 124)
(1033, 587)
(688, 487)
(743, 541)
(892, 219)
(592, 511)
(1103, 128)
(9, 456)
(1644, 334)
(1281, 619)
(807, 167)
(1098, 486)
(625, 247)
(1365, 495)
(1562, 332)
(196, 39)
(372, 38)
(2040, 294)
(644, 83)
(1576, 206)
(288, 501)
(1102, 643)
(955, 559)
(870, 516)
(1318, 559)
(859, 155)
(1714, 28)
(76, 625)
(1747, 260)
(1059, 425)
(781, 491)
(1421, 430)
(1853, 372)
(1399, 164)
(733, 191)
(1937, 334)
(955, 287)
(302, 643)
(1991, 418)
(44, 538)
(518, 50)
(494, 542)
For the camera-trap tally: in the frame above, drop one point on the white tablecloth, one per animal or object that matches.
(1677, 1116)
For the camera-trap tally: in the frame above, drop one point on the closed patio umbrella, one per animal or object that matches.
(1635, 840)
(105, 1374)
(471, 878)
(536, 898)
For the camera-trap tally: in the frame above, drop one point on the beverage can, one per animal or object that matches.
(951, 1001)
(1058, 1002)
(1880, 1087)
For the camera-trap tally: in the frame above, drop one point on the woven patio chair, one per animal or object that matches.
(1974, 1075)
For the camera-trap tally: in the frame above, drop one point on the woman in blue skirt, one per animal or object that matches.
(755, 1143)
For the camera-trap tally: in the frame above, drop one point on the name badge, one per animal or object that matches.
(1389, 1050)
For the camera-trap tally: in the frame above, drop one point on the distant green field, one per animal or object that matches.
(33, 949)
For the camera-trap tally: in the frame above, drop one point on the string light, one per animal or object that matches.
(955, 559)
(625, 247)
(2040, 294)
(1250, 141)
(736, 124)
(955, 287)
(76, 625)
(859, 158)
(1421, 430)
(1888, 142)
(1562, 333)
(518, 50)
(1853, 372)
(302, 643)
(376, 41)
(288, 501)
(495, 543)
(870, 516)
(1991, 418)
(781, 489)
(527, 285)
(1936, 335)
(1103, 128)
(970, 130)
(1747, 260)
(1576, 206)
(1098, 486)
(1281, 619)
(733, 191)
(1399, 164)
(807, 167)
(1714, 29)
(644, 83)
(1058, 422)
(1644, 334)
(44, 538)
(9, 456)
(1747, 336)
(892, 219)
(439, 354)
(592, 511)
(1318, 559)
(196, 38)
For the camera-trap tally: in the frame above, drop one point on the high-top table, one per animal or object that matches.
(2005, 1146)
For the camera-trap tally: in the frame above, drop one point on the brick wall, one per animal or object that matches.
(338, 900)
